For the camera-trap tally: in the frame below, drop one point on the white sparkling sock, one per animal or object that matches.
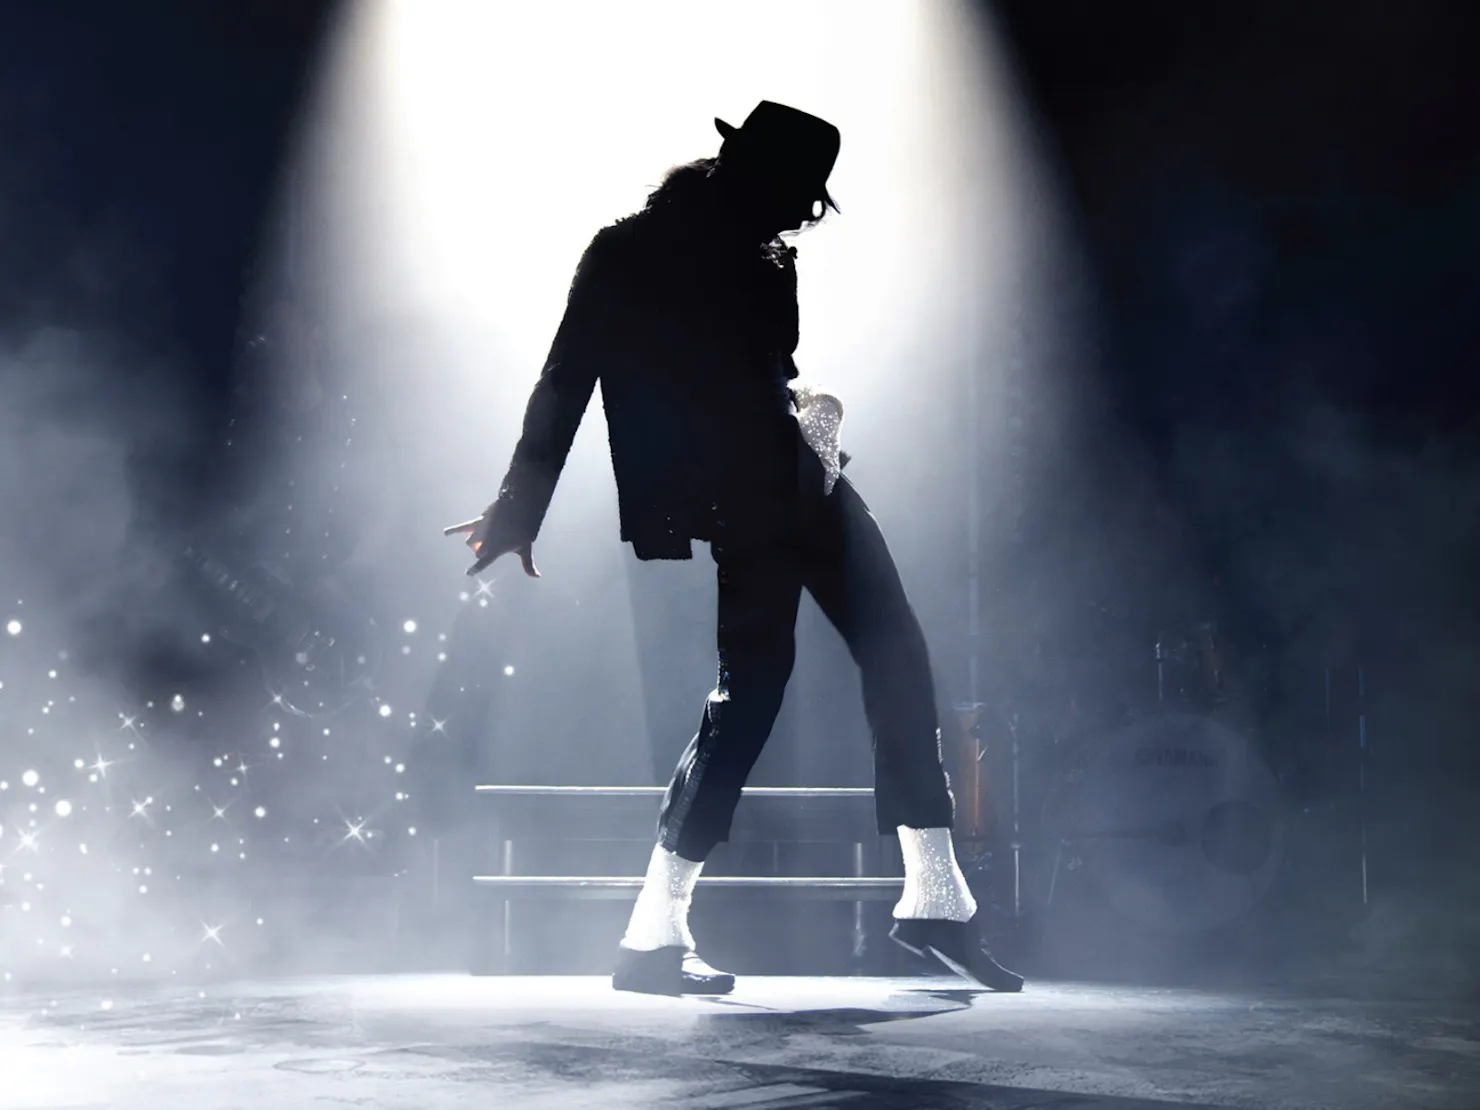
(660, 919)
(934, 887)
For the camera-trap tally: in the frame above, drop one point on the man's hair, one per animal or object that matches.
(682, 184)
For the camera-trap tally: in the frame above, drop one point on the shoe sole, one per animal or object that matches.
(719, 988)
(1014, 986)
(930, 950)
(708, 992)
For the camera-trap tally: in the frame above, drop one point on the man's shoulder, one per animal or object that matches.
(612, 246)
(623, 251)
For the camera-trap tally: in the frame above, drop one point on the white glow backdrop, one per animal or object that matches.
(463, 152)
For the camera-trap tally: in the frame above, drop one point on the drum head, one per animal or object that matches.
(1176, 821)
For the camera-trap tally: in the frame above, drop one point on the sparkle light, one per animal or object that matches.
(13, 626)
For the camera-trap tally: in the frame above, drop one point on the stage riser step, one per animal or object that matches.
(536, 830)
(522, 823)
(841, 814)
(821, 815)
(534, 855)
(812, 888)
(791, 793)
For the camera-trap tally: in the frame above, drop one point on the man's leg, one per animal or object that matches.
(756, 636)
(852, 575)
(756, 640)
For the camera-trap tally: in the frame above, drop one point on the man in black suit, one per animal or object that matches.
(687, 313)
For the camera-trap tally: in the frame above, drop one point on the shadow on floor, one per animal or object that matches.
(708, 1084)
(752, 1019)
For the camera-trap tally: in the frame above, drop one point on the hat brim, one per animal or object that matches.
(728, 131)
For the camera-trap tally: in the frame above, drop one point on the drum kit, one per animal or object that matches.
(1174, 820)
(1168, 814)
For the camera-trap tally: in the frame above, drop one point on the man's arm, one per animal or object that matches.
(585, 338)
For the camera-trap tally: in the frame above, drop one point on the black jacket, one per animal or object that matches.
(692, 343)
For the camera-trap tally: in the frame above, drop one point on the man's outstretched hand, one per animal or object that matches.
(477, 539)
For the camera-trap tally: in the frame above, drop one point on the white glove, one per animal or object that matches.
(821, 418)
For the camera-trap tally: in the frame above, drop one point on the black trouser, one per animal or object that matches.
(832, 547)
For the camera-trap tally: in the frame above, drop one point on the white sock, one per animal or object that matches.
(660, 918)
(934, 887)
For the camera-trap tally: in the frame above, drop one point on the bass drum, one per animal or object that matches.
(1174, 821)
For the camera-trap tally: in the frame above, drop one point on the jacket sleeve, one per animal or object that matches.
(585, 338)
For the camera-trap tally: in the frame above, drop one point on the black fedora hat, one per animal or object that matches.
(802, 148)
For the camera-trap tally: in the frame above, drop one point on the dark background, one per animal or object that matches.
(141, 149)
(1279, 204)
(1281, 208)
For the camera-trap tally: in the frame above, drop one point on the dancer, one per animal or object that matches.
(687, 313)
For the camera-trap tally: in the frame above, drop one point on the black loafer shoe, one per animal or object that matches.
(672, 970)
(955, 944)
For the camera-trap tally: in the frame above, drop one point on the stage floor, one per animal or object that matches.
(429, 1042)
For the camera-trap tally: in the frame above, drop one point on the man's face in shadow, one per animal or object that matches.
(766, 202)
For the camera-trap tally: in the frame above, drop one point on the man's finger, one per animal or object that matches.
(526, 556)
